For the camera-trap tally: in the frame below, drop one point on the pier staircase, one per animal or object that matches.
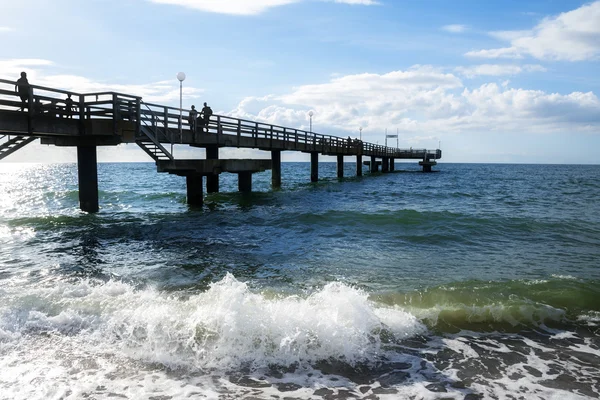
(151, 133)
(13, 144)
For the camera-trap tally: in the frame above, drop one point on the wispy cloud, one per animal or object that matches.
(570, 36)
(455, 28)
(5, 29)
(247, 7)
(40, 73)
(498, 70)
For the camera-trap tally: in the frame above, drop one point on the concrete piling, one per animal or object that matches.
(87, 172)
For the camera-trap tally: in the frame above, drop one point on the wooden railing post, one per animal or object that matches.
(166, 126)
(219, 129)
(81, 115)
(138, 113)
(30, 110)
(256, 134)
(239, 132)
(295, 138)
(115, 106)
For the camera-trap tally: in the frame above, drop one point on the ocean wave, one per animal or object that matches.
(501, 305)
(225, 327)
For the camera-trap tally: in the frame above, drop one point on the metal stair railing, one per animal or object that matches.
(155, 149)
(14, 144)
(154, 119)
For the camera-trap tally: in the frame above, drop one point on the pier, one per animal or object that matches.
(110, 119)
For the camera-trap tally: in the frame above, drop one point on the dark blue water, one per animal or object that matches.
(487, 273)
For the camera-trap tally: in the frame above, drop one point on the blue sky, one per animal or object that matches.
(493, 81)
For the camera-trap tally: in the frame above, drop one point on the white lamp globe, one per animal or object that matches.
(310, 113)
(181, 76)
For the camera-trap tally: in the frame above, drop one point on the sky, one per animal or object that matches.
(511, 81)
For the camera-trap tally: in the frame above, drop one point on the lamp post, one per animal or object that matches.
(360, 132)
(310, 114)
(180, 78)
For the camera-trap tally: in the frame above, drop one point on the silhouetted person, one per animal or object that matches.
(193, 119)
(69, 107)
(22, 87)
(206, 113)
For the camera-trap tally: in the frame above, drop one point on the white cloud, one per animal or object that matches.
(38, 73)
(506, 52)
(363, 99)
(425, 102)
(5, 29)
(570, 36)
(454, 28)
(498, 70)
(246, 7)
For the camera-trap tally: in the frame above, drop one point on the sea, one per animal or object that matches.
(476, 281)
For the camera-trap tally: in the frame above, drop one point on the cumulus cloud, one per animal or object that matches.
(424, 102)
(570, 36)
(454, 28)
(40, 73)
(498, 70)
(246, 7)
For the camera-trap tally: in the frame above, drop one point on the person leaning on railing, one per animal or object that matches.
(206, 113)
(22, 87)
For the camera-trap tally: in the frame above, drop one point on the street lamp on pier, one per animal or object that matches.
(360, 132)
(181, 78)
(310, 114)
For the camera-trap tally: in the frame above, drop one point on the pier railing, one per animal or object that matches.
(166, 122)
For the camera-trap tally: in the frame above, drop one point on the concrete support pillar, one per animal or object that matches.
(392, 165)
(359, 165)
(276, 171)
(314, 166)
(340, 166)
(212, 181)
(245, 181)
(385, 166)
(195, 196)
(373, 164)
(87, 170)
(427, 164)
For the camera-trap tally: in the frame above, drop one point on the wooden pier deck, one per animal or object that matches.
(110, 118)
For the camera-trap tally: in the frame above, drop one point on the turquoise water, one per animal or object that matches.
(477, 280)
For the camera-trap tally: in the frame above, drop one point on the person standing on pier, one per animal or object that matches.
(193, 118)
(206, 113)
(22, 87)
(69, 107)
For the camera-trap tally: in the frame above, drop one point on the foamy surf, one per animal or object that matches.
(68, 333)
(108, 340)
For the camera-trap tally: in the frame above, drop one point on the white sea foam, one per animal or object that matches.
(459, 346)
(71, 341)
(68, 337)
